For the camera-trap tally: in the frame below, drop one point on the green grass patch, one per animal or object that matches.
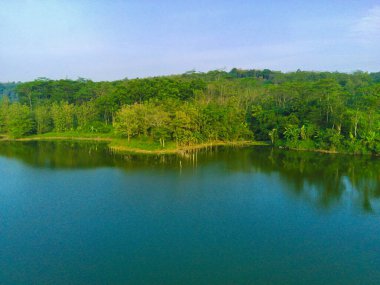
(71, 134)
(141, 144)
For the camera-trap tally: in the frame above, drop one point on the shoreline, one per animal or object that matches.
(64, 138)
(183, 149)
(120, 148)
(326, 151)
(115, 145)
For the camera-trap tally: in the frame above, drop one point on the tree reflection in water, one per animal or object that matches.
(323, 179)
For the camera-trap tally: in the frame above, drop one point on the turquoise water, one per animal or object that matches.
(77, 214)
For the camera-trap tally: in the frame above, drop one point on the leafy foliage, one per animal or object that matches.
(307, 110)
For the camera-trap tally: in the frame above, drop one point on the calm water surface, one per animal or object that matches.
(77, 214)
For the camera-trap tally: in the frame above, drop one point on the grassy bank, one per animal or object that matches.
(68, 136)
(135, 145)
(148, 147)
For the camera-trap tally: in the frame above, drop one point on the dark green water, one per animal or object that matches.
(77, 214)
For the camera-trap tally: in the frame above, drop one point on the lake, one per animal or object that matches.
(76, 213)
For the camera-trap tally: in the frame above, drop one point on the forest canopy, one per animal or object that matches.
(306, 110)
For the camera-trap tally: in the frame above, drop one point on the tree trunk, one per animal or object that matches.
(356, 123)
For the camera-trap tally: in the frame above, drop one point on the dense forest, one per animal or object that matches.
(9, 90)
(303, 110)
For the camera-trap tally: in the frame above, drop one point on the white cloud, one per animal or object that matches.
(367, 28)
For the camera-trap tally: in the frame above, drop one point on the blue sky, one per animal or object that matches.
(108, 40)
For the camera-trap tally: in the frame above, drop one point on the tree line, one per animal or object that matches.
(307, 110)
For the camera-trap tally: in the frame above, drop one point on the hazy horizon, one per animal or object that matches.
(112, 40)
(174, 74)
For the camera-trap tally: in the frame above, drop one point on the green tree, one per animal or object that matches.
(43, 119)
(126, 122)
(19, 120)
(63, 116)
(292, 134)
(183, 128)
(86, 114)
(160, 124)
(273, 134)
(4, 114)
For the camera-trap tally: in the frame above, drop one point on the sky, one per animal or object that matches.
(111, 39)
